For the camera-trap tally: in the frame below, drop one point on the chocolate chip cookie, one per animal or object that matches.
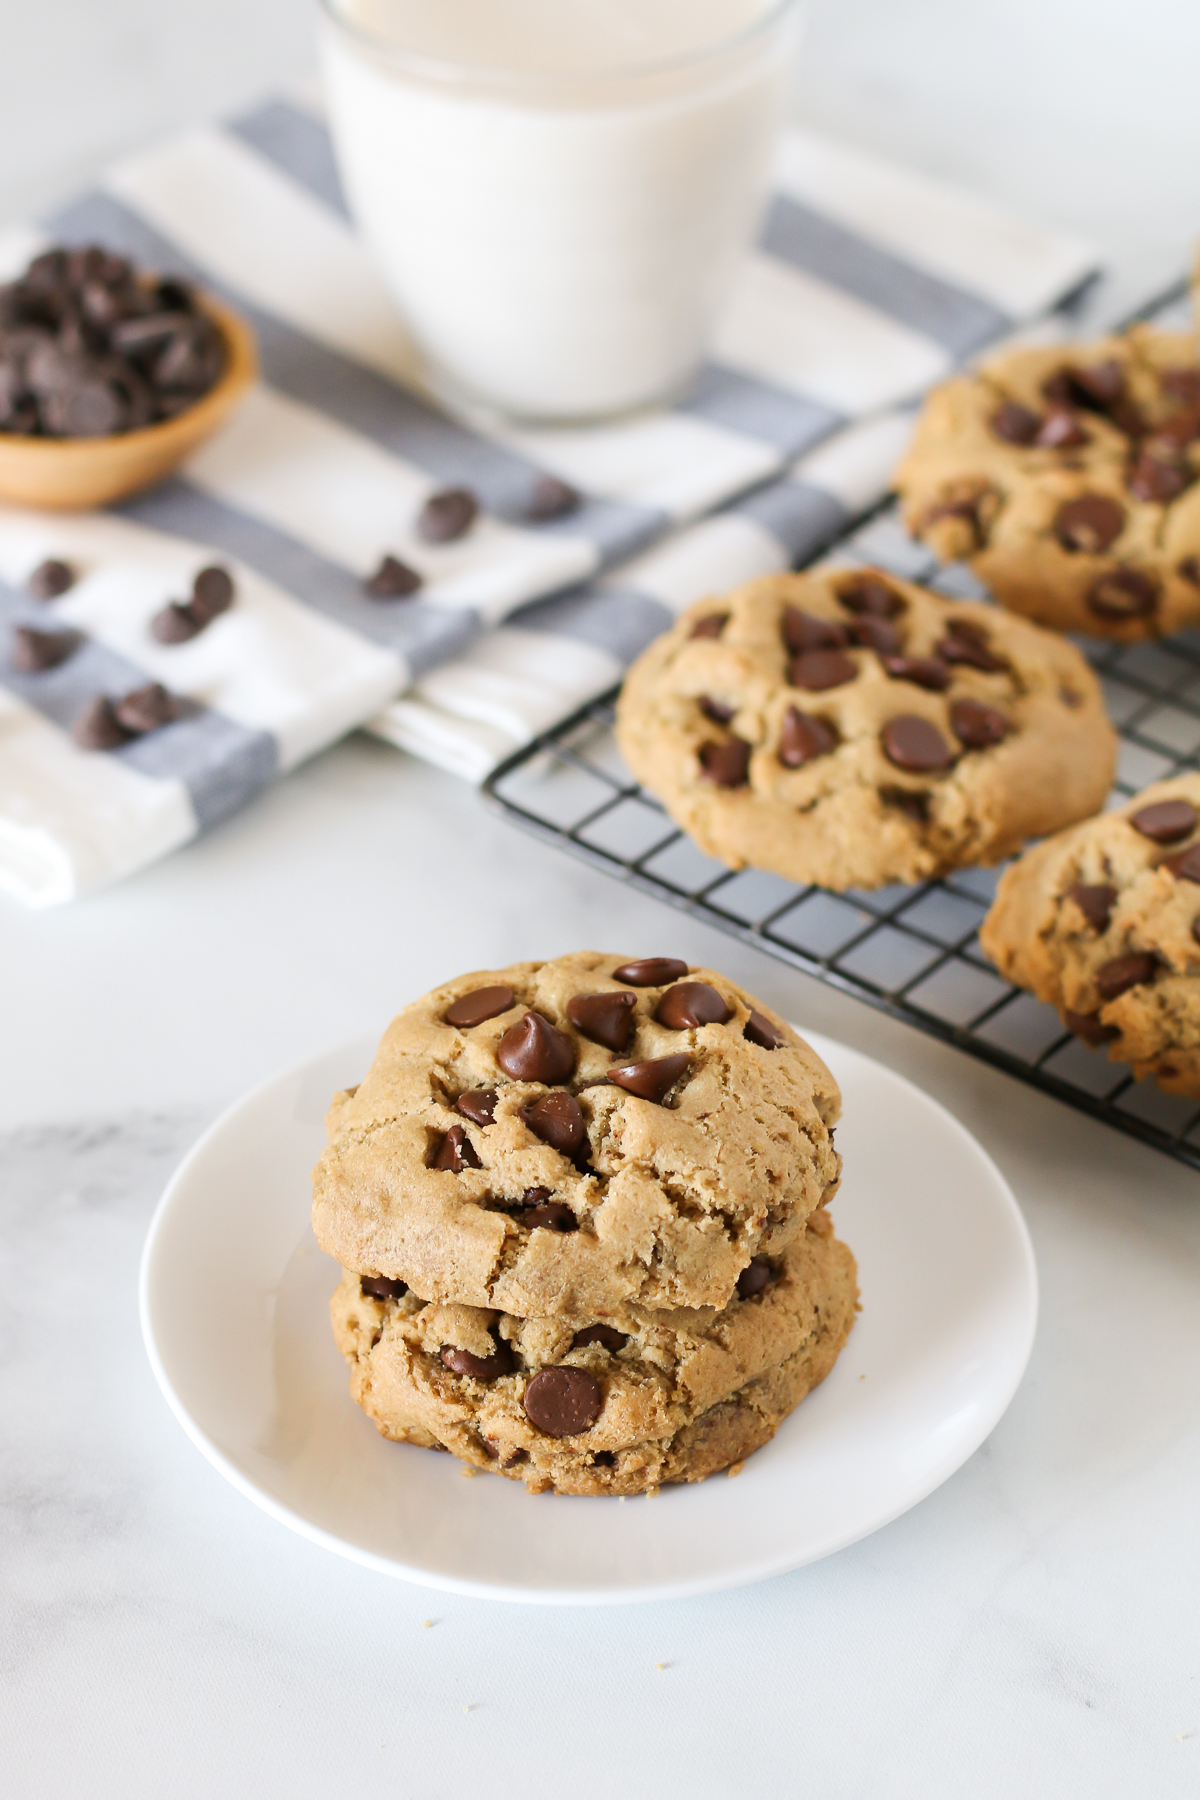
(616, 1405)
(1104, 923)
(1067, 479)
(569, 1136)
(849, 729)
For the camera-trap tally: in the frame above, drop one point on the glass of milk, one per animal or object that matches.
(559, 192)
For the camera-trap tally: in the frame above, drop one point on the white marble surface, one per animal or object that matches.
(1030, 1630)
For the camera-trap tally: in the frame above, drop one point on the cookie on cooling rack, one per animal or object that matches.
(1067, 478)
(1103, 922)
(849, 729)
(612, 1406)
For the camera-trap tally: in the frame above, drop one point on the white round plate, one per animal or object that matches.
(234, 1302)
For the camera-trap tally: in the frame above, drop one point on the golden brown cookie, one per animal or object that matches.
(1103, 922)
(568, 1136)
(1067, 478)
(849, 729)
(617, 1406)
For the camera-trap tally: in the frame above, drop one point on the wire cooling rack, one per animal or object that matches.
(913, 952)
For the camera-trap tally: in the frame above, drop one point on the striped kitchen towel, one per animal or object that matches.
(867, 285)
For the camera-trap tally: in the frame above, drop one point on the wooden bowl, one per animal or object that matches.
(74, 474)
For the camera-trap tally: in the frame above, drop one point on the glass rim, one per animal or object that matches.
(438, 69)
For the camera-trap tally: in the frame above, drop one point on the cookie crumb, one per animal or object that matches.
(468, 1473)
(735, 1469)
(652, 1493)
(661, 1665)
(427, 1623)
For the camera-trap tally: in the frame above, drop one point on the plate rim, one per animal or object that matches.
(783, 1562)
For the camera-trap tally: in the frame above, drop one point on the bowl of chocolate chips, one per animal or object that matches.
(109, 377)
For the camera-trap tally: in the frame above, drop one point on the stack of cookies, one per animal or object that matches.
(581, 1208)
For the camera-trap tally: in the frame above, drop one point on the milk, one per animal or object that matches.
(558, 192)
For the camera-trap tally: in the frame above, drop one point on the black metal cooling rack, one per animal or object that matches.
(912, 952)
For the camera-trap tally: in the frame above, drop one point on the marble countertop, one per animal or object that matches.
(1028, 1630)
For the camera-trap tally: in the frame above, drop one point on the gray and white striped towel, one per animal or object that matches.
(868, 284)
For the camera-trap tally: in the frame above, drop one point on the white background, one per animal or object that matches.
(1031, 1630)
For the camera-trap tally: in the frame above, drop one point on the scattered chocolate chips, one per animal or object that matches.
(392, 580)
(146, 709)
(871, 595)
(1186, 865)
(1166, 821)
(1099, 386)
(605, 1335)
(651, 971)
(558, 1120)
(479, 1368)
(212, 592)
(759, 1030)
(716, 710)
(447, 515)
(456, 1152)
(176, 623)
(1123, 594)
(1089, 1028)
(910, 742)
(1095, 902)
(970, 508)
(966, 644)
(382, 1287)
(562, 1401)
(803, 738)
(1089, 523)
(33, 651)
(710, 626)
(1125, 972)
(914, 805)
(651, 1080)
(756, 1276)
(976, 725)
(817, 670)
(802, 631)
(878, 635)
(924, 671)
(1159, 478)
(690, 1005)
(536, 1050)
(1189, 568)
(726, 761)
(606, 1019)
(98, 728)
(478, 1105)
(50, 578)
(1062, 429)
(480, 1004)
(552, 499)
(1015, 424)
(554, 1216)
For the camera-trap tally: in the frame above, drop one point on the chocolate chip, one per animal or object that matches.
(382, 1287)
(50, 579)
(803, 738)
(176, 623)
(1062, 429)
(651, 1080)
(759, 1030)
(552, 1217)
(479, 1368)
(871, 595)
(1015, 424)
(966, 644)
(802, 631)
(1123, 594)
(606, 1335)
(1159, 478)
(558, 1120)
(552, 499)
(877, 635)
(535, 1050)
(1125, 972)
(913, 805)
(726, 761)
(1189, 568)
(536, 1196)
(447, 515)
(1088, 1026)
(1098, 386)
(1186, 865)
(561, 1401)
(1089, 523)
(146, 709)
(710, 626)
(976, 725)
(716, 710)
(478, 1105)
(456, 1152)
(606, 1019)
(1166, 821)
(392, 580)
(89, 408)
(756, 1276)
(913, 743)
(690, 1005)
(98, 728)
(1094, 901)
(33, 651)
(480, 1004)
(925, 671)
(817, 670)
(651, 971)
(212, 592)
